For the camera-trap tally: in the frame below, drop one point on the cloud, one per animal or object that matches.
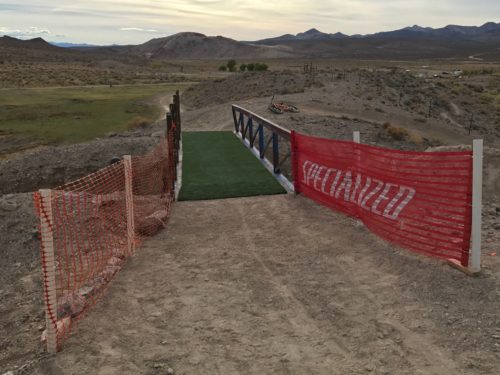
(26, 8)
(114, 21)
(138, 29)
(30, 32)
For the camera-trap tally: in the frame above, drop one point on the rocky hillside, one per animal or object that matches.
(198, 46)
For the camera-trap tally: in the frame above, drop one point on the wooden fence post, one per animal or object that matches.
(172, 154)
(49, 269)
(178, 105)
(129, 203)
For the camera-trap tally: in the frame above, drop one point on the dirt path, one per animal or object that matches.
(275, 285)
(257, 285)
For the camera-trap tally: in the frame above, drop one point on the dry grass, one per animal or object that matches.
(78, 114)
(399, 134)
(138, 122)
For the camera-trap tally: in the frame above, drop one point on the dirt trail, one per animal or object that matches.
(269, 285)
(275, 285)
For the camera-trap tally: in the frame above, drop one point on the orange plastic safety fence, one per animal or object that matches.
(85, 223)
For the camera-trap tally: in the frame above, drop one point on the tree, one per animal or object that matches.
(250, 67)
(231, 64)
(222, 68)
(243, 67)
(260, 66)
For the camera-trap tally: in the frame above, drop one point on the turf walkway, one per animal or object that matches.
(216, 165)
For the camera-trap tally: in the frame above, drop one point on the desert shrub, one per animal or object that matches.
(415, 138)
(292, 89)
(396, 133)
(477, 72)
(156, 65)
(222, 68)
(137, 107)
(486, 99)
(399, 134)
(243, 67)
(138, 122)
(285, 90)
(251, 67)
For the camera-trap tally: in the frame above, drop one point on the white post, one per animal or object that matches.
(129, 202)
(357, 139)
(49, 269)
(355, 136)
(477, 193)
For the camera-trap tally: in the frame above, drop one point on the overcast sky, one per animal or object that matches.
(136, 21)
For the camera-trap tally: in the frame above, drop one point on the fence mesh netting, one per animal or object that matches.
(92, 236)
(418, 200)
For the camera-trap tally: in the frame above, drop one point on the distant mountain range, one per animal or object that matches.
(488, 31)
(26, 50)
(36, 50)
(414, 42)
(73, 45)
(310, 35)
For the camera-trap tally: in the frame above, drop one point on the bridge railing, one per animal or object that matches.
(268, 141)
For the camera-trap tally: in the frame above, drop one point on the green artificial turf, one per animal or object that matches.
(217, 165)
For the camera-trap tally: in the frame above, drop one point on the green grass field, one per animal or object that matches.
(217, 165)
(76, 114)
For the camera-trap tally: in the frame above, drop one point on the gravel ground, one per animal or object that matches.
(52, 166)
(325, 296)
(424, 312)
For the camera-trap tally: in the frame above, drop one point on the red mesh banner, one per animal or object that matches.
(418, 200)
(86, 224)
